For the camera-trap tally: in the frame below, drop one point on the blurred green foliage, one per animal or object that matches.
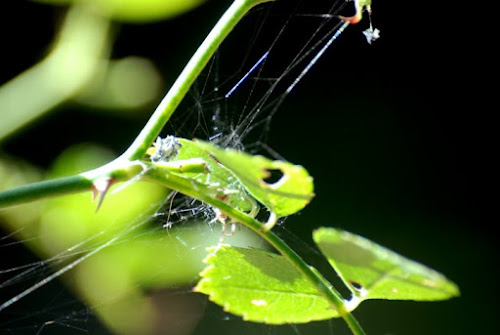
(120, 281)
(137, 11)
(78, 66)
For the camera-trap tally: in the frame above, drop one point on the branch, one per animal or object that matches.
(152, 129)
(187, 77)
(97, 181)
(44, 189)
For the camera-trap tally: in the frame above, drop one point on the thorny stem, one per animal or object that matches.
(127, 166)
(151, 130)
(118, 170)
(201, 192)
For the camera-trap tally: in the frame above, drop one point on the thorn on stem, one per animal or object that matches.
(99, 189)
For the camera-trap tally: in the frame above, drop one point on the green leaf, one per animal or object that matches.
(371, 271)
(288, 195)
(229, 176)
(262, 287)
(214, 175)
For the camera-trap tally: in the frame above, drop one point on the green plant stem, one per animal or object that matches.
(138, 148)
(116, 170)
(202, 192)
(189, 187)
(187, 77)
(44, 189)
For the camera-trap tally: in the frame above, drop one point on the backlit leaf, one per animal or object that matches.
(262, 287)
(375, 272)
(289, 194)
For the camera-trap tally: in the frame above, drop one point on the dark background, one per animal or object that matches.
(397, 135)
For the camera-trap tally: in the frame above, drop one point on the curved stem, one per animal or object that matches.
(312, 275)
(155, 124)
(201, 192)
(124, 168)
(187, 77)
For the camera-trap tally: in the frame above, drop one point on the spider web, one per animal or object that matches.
(232, 104)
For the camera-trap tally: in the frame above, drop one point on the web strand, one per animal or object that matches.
(337, 33)
(249, 118)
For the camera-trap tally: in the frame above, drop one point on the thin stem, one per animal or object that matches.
(312, 275)
(152, 129)
(119, 170)
(44, 189)
(116, 170)
(187, 77)
(201, 192)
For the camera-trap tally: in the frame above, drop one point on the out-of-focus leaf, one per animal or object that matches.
(124, 86)
(261, 287)
(20, 219)
(374, 272)
(74, 60)
(287, 195)
(137, 10)
(68, 220)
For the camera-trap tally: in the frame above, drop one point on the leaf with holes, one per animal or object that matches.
(192, 161)
(287, 195)
(262, 287)
(371, 271)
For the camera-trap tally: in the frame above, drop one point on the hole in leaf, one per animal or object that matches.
(357, 286)
(275, 175)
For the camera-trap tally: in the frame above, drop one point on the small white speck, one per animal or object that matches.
(259, 302)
